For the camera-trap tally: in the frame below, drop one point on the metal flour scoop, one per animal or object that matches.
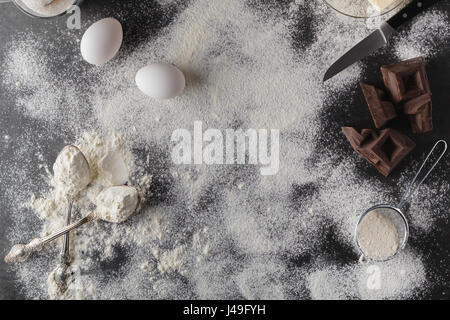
(110, 211)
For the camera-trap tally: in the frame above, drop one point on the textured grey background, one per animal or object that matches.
(435, 246)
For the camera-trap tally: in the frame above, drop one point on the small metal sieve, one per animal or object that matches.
(394, 213)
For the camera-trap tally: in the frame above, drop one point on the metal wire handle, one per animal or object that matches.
(64, 255)
(411, 188)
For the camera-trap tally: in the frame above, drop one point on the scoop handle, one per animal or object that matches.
(65, 248)
(412, 185)
(21, 252)
(91, 216)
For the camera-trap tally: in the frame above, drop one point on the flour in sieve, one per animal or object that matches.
(378, 236)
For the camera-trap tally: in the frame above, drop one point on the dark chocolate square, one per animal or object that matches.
(384, 149)
(406, 79)
(419, 113)
(381, 110)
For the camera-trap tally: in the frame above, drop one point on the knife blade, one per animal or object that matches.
(373, 42)
(379, 38)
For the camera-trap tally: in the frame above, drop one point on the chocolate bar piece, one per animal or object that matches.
(407, 79)
(419, 112)
(381, 110)
(383, 149)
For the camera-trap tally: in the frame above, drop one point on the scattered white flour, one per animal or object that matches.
(378, 236)
(414, 42)
(167, 2)
(71, 171)
(399, 278)
(171, 261)
(116, 204)
(210, 232)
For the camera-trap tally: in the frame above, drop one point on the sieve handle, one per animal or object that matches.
(412, 187)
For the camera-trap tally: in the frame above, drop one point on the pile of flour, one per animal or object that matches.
(94, 147)
(212, 232)
(101, 192)
(117, 203)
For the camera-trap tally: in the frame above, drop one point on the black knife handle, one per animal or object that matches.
(410, 11)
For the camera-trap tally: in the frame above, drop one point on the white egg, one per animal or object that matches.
(101, 41)
(160, 80)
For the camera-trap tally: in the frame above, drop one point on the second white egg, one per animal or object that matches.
(101, 41)
(160, 81)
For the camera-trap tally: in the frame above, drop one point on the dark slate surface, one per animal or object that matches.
(434, 246)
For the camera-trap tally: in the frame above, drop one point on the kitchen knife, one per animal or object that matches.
(379, 38)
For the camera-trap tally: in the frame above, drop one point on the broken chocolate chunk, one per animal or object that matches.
(419, 112)
(383, 149)
(381, 110)
(406, 79)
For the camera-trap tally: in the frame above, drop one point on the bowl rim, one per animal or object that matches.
(381, 13)
(30, 14)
